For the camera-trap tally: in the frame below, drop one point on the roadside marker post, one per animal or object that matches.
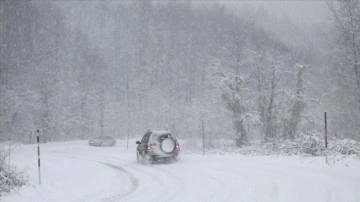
(326, 139)
(38, 151)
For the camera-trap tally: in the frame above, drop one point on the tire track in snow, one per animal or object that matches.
(153, 177)
(275, 181)
(111, 162)
(114, 196)
(222, 192)
(232, 183)
(134, 183)
(229, 184)
(316, 182)
(179, 185)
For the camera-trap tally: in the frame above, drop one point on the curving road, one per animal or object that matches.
(192, 178)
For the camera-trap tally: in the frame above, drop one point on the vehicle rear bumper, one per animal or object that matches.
(155, 157)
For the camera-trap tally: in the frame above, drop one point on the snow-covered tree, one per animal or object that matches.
(234, 93)
(346, 61)
(297, 105)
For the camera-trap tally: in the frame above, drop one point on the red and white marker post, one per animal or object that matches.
(38, 148)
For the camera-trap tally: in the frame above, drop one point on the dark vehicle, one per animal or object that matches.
(157, 146)
(102, 141)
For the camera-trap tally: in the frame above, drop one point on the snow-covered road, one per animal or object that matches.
(74, 171)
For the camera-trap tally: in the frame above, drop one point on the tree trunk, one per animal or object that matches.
(270, 128)
(242, 138)
(102, 112)
(298, 107)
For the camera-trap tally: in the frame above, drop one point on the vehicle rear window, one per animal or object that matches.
(160, 137)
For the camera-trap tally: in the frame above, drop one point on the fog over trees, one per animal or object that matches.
(78, 69)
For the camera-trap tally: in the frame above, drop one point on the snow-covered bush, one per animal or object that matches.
(312, 143)
(10, 178)
(346, 147)
(309, 143)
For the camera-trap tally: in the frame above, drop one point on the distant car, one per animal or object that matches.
(102, 141)
(157, 146)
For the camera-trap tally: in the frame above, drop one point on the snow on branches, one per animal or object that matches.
(234, 93)
(10, 178)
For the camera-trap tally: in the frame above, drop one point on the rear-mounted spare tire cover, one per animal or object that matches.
(167, 145)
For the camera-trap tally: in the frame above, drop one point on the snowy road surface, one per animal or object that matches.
(74, 171)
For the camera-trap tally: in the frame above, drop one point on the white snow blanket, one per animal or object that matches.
(74, 171)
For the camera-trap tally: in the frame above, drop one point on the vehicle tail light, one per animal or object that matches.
(148, 148)
(177, 147)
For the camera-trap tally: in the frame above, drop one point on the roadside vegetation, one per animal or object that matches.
(11, 179)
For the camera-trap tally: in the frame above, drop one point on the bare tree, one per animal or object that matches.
(298, 105)
(347, 18)
(346, 56)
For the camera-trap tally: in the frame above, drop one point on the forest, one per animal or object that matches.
(78, 69)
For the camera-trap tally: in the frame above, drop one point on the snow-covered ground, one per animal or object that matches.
(74, 171)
